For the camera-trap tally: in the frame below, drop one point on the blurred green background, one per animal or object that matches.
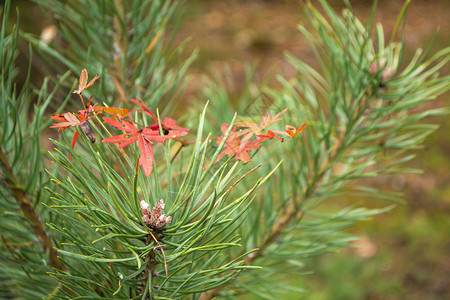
(403, 254)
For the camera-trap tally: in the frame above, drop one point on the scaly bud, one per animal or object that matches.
(156, 220)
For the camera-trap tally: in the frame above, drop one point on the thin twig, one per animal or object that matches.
(162, 251)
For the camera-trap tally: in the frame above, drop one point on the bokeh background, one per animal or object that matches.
(402, 254)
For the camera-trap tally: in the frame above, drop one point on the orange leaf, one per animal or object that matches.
(112, 110)
(271, 135)
(292, 131)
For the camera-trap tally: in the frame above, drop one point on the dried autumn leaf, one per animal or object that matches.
(123, 112)
(168, 125)
(88, 131)
(70, 117)
(70, 120)
(82, 84)
(145, 138)
(233, 145)
(67, 120)
(255, 128)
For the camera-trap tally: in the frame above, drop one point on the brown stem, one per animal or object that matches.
(155, 238)
(150, 270)
(27, 209)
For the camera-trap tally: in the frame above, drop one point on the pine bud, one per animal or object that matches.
(156, 220)
(144, 208)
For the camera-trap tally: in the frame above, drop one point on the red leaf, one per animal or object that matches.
(123, 139)
(121, 124)
(145, 108)
(145, 137)
(73, 142)
(169, 129)
(170, 124)
(153, 135)
(269, 135)
(129, 141)
(117, 138)
(146, 160)
(69, 119)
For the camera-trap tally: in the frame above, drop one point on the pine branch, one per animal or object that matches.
(359, 120)
(359, 116)
(283, 221)
(27, 209)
